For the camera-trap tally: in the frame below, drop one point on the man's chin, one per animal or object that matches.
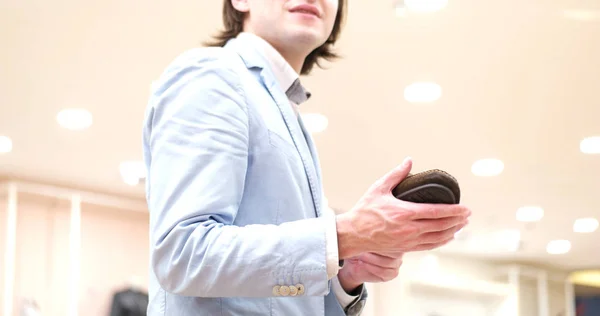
(310, 38)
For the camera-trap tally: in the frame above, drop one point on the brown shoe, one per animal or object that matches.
(431, 187)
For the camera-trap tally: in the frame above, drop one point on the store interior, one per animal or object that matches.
(502, 95)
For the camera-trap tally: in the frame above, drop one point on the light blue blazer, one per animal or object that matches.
(234, 192)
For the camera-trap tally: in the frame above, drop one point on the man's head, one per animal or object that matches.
(298, 29)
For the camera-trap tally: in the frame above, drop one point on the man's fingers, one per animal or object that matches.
(382, 274)
(431, 246)
(435, 211)
(389, 181)
(381, 261)
(437, 225)
(440, 236)
(391, 254)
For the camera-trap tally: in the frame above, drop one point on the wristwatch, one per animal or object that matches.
(356, 307)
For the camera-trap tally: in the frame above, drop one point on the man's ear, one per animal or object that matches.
(241, 5)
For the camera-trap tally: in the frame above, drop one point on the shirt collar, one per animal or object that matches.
(285, 75)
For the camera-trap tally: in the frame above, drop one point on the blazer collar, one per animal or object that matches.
(258, 53)
(254, 58)
(250, 53)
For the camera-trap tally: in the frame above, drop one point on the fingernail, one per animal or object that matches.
(406, 161)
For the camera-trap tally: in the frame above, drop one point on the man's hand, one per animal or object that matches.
(369, 267)
(381, 223)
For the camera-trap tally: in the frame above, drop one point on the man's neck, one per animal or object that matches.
(295, 59)
(294, 56)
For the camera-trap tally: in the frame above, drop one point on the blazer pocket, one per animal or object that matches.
(282, 145)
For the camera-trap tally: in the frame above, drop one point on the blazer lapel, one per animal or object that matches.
(312, 148)
(252, 59)
(302, 143)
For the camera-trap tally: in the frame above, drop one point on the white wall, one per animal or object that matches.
(3, 203)
(429, 283)
(41, 254)
(557, 297)
(528, 297)
(114, 250)
(457, 287)
(114, 247)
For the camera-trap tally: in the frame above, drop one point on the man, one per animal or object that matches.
(238, 225)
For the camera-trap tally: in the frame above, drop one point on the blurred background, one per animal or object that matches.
(501, 94)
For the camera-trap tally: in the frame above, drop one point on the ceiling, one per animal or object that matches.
(519, 80)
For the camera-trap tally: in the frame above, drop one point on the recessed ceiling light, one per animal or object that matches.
(5, 144)
(585, 225)
(558, 247)
(315, 122)
(425, 6)
(132, 181)
(530, 214)
(487, 167)
(132, 172)
(590, 145)
(422, 92)
(74, 119)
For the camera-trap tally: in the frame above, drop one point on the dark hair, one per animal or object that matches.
(233, 21)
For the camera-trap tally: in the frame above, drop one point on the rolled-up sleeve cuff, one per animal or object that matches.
(333, 262)
(353, 305)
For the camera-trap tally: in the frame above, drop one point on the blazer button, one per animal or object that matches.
(300, 288)
(276, 290)
(293, 290)
(284, 290)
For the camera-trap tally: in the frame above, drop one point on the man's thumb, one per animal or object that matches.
(396, 175)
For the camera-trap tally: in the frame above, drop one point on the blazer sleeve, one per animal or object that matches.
(196, 143)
